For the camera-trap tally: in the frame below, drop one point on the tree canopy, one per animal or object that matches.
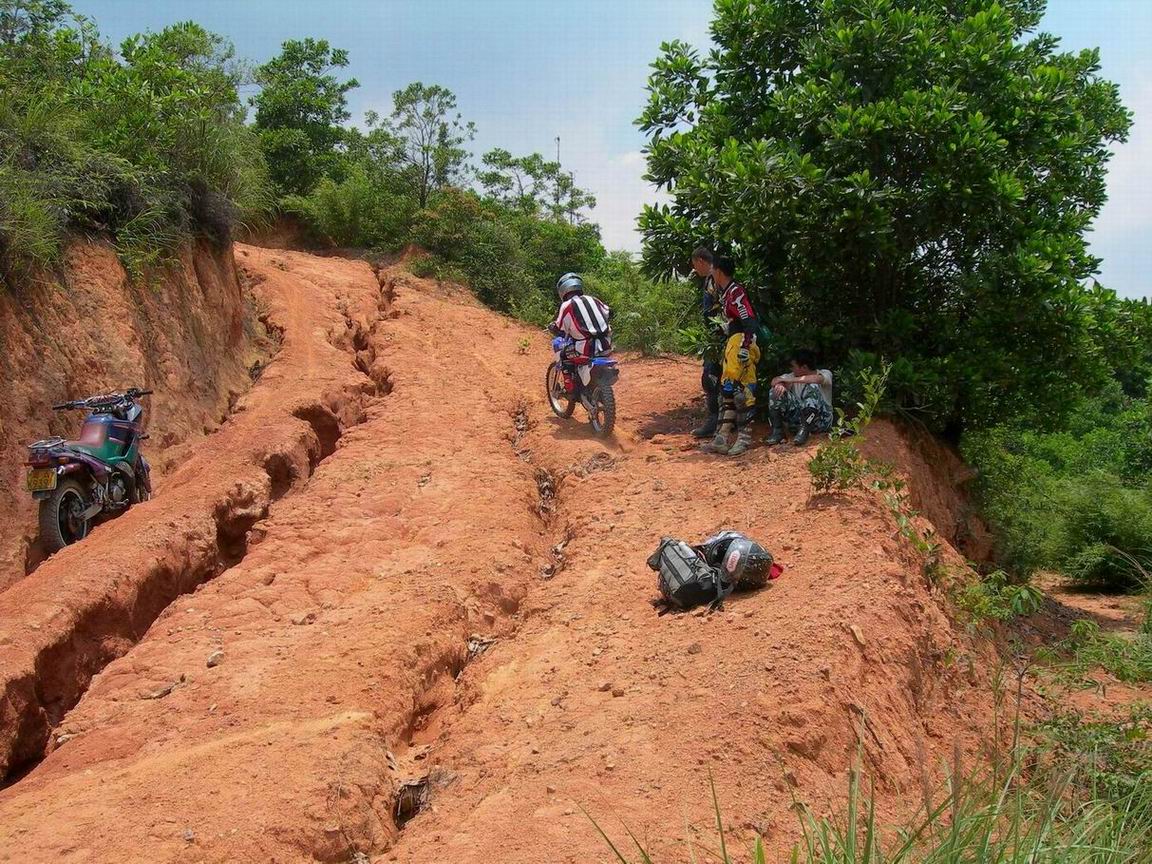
(896, 178)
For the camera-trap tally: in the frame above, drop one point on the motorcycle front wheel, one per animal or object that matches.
(62, 521)
(560, 400)
(602, 414)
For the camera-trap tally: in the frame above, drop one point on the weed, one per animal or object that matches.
(1088, 648)
(838, 464)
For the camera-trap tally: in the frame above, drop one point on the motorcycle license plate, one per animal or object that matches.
(41, 479)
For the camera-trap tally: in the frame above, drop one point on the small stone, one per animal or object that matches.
(605, 687)
(695, 648)
(610, 767)
(214, 658)
(618, 692)
(268, 578)
(303, 618)
(551, 790)
(857, 635)
(189, 835)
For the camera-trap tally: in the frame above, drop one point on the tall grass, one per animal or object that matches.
(1019, 816)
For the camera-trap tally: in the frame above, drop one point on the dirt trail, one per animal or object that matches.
(277, 713)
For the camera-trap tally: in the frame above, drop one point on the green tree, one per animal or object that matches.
(533, 185)
(901, 178)
(428, 136)
(299, 112)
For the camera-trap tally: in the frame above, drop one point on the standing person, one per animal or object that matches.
(741, 354)
(802, 399)
(702, 259)
(585, 320)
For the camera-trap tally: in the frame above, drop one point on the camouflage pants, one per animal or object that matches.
(791, 409)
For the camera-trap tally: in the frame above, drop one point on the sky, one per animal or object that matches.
(527, 71)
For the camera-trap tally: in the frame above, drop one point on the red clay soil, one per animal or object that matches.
(187, 333)
(337, 672)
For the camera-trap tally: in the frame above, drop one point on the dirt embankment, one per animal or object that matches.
(422, 630)
(189, 333)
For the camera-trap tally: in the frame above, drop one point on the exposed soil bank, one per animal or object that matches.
(91, 602)
(189, 333)
(315, 701)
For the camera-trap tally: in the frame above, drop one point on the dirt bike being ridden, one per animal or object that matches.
(583, 371)
(94, 478)
(595, 395)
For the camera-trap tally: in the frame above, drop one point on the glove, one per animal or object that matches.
(742, 355)
(553, 329)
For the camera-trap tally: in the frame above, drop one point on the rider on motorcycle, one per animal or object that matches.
(585, 320)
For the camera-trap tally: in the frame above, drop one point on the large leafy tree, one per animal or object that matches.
(299, 112)
(897, 177)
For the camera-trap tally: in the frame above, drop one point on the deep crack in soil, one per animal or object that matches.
(446, 631)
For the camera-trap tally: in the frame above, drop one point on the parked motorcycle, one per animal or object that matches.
(94, 478)
(596, 395)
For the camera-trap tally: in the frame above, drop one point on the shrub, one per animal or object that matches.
(150, 147)
(1077, 502)
(646, 316)
(357, 211)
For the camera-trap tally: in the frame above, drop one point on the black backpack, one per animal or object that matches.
(684, 578)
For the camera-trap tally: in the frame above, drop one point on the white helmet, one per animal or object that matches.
(569, 283)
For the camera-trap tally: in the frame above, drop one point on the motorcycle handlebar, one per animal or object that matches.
(109, 399)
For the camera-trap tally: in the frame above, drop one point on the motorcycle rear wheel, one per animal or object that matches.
(61, 520)
(560, 400)
(603, 413)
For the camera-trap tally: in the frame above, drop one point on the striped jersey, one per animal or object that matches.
(739, 316)
(583, 317)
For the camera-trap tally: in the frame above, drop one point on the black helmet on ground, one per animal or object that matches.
(747, 564)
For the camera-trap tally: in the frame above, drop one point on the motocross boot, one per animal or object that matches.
(708, 428)
(743, 442)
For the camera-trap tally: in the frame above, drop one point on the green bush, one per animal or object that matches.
(149, 147)
(1078, 502)
(646, 316)
(357, 211)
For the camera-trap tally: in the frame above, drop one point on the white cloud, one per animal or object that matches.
(1120, 235)
(617, 182)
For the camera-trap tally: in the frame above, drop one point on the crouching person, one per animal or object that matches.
(800, 400)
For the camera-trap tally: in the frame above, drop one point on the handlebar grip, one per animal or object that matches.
(145, 392)
(62, 406)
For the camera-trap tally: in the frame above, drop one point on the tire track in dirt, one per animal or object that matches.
(598, 703)
(317, 697)
(335, 642)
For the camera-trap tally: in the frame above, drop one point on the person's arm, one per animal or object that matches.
(811, 378)
(744, 318)
(557, 326)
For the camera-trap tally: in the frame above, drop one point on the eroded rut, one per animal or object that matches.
(437, 645)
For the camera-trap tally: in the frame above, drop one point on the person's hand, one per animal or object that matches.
(778, 390)
(553, 329)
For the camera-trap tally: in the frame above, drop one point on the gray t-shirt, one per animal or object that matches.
(825, 385)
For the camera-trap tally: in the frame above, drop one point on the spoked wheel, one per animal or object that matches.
(62, 521)
(560, 400)
(603, 413)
